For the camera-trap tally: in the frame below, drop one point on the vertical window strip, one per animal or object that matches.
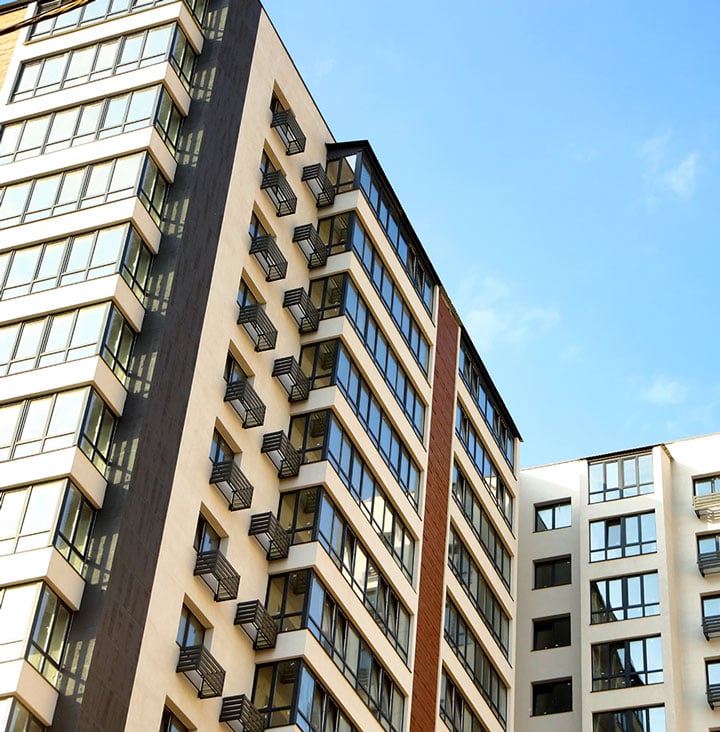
(455, 711)
(487, 469)
(479, 591)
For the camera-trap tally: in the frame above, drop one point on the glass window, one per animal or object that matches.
(170, 723)
(14, 717)
(17, 610)
(118, 55)
(706, 486)
(621, 478)
(624, 536)
(49, 635)
(551, 516)
(641, 719)
(552, 697)
(621, 664)
(455, 710)
(191, 632)
(553, 572)
(623, 598)
(551, 632)
(477, 663)
(220, 451)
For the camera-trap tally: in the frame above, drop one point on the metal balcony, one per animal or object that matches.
(270, 535)
(711, 626)
(202, 670)
(277, 446)
(218, 574)
(279, 192)
(713, 695)
(707, 506)
(311, 245)
(271, 259)
(256, 621)
(302, 309)
(258, 326)
(227, 477)
(240, 715)
(245, 401)
(319, 184)
(292, 377)
(289, 131)
(709, 563)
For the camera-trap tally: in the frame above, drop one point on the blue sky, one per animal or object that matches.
(560, 161)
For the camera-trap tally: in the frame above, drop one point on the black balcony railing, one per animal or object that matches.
(202, 670)
(292, 377)
(279, 191)
(709, 563)
(245, 401)
(302, 309)
(289, 131)
(319, 184)
(270, 535)
(311, 245)
(227, 477)
(277, 446)
(218, 574)
(258, 326)
(713, 695)
(711, 626)
(256, 621)
(271, 259)
(240, 715)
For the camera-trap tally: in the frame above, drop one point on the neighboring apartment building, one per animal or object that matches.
(619, 592)
(253, 472)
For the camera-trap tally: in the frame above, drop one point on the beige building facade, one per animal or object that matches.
(618, 596)
(253, 471)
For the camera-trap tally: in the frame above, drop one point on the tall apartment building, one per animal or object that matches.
(253, 472)
(618, 592)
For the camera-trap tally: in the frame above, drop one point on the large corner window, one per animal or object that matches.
(116, 249)
(622, 598)
(92, 121)
(54, 513)
(288, 693)
(81, 188)
(69, 336)
(621, 664)
(624, 536)
(320, 436)
(14, 717)
(108, 58)
(310, 515)
(53, 422)
(621, 478)
(34, 624)
(339, 637)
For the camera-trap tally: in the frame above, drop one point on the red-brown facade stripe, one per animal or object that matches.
(432, 566)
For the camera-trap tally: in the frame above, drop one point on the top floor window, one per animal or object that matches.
(107, 58)
(100, 10)
(706, 486)
(551, 516)
(478, 384)
(621, 478)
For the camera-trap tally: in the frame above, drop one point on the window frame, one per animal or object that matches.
(554, 507)
(609, 551)
(554, 564)
(552, 622)
(550, 685)
(621, 653)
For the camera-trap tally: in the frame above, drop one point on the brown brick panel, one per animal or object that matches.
(8, 41)
(432, 566)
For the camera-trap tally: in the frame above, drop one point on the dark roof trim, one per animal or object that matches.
(622, 453)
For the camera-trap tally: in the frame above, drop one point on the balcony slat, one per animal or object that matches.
(232, 483)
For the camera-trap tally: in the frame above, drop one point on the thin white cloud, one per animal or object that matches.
(664, 391)
(665, 176)
(497, 316)
(323, 68)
